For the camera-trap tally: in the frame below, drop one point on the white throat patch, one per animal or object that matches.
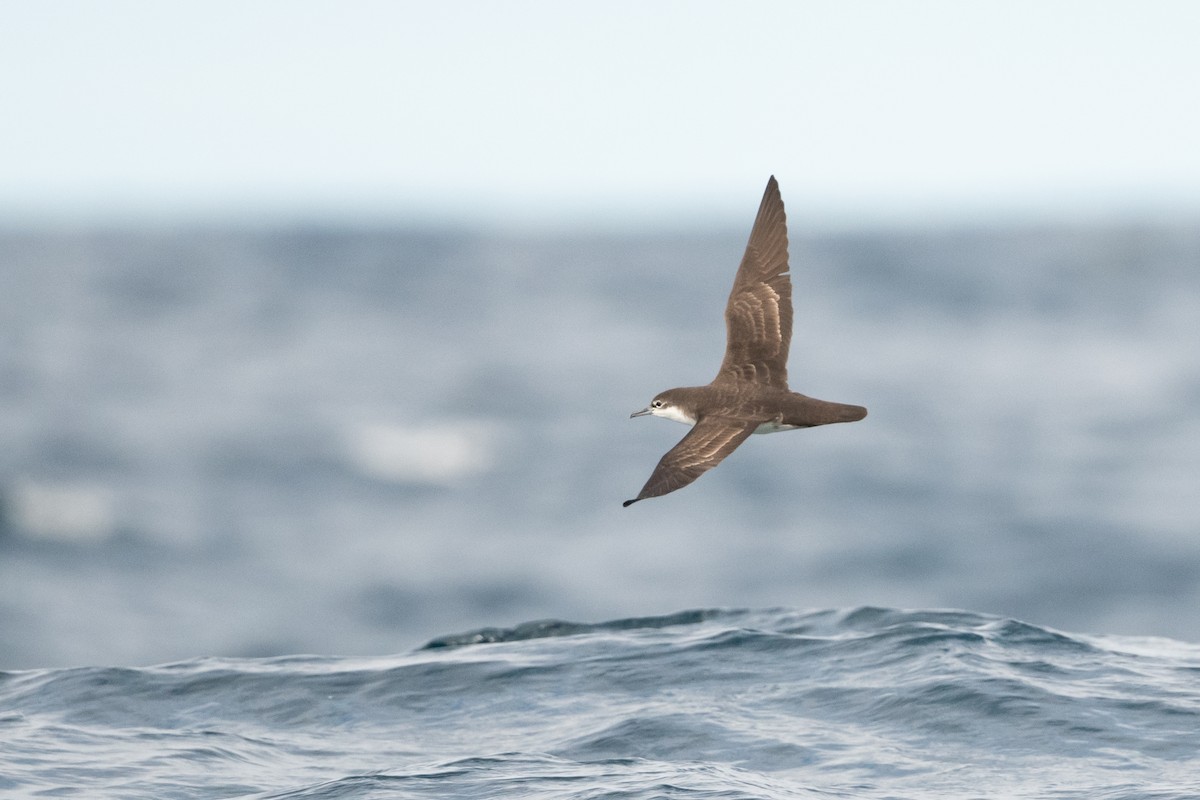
(674, 413)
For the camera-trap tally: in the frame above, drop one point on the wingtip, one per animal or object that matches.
(628, 503)
(772, 190)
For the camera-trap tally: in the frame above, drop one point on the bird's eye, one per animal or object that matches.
(657, 404)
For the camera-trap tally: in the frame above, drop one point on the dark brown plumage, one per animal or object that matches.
(750, 393)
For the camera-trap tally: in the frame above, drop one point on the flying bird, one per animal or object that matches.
(750, 393)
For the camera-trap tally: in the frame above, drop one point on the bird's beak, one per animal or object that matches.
(641, 413)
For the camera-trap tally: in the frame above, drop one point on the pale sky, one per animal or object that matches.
(545, 113)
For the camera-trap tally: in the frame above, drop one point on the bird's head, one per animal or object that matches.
(669, 405)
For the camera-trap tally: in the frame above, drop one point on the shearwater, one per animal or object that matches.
(750, 393)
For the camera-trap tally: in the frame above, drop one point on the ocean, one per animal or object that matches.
(323, 511)
(865, 703)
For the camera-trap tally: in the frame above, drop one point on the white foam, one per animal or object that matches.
(433, 453)
(79, 512)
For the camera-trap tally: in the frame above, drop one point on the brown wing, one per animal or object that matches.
(758, 317)
(709, 441)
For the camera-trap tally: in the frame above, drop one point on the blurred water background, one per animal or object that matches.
(254, 441)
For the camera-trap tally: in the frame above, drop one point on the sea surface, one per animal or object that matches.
(866, 703)
(247, 474)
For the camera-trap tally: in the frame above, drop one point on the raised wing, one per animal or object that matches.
(758, 316)
(709, 441)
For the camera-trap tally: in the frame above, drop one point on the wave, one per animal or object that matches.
(865, 702)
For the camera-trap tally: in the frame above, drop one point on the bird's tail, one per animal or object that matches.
(848, 413)
(822, 412)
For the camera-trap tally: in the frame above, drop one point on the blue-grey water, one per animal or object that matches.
(222, 448)
(867, 703)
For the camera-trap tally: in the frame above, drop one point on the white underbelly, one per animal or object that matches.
(774, 427)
